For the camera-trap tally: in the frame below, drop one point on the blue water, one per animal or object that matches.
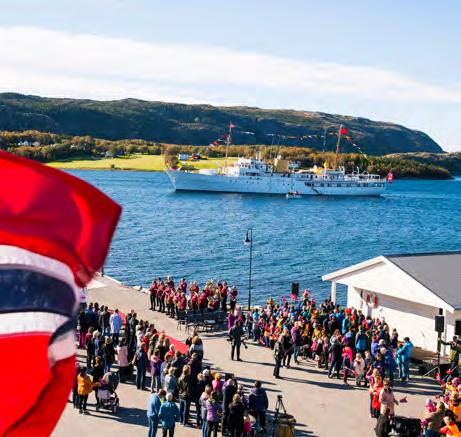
(200, 235)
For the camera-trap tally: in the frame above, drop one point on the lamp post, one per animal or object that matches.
(249, 240)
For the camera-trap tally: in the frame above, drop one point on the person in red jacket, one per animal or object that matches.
(182, 302)
(194, 288)
(153, 294)
(161, 297)
(224, 293)
(202, 300)
(183, 285)
(194, 301)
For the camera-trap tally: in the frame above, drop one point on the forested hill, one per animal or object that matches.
(203, 124)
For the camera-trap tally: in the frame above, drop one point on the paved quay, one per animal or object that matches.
(322, 407)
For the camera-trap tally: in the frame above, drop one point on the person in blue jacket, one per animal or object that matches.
(361, 342)
(169, 415)
(153, 410)
(390, 365)
(404, 355)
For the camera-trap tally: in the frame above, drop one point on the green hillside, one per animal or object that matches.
(203, 124)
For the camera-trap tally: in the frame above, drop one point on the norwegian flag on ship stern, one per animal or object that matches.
(55, 231)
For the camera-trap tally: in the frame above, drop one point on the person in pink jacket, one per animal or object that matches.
(387, 398)
(347, 361)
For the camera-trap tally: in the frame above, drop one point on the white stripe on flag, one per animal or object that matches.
(12, 256)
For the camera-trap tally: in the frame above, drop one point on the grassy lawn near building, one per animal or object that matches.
(134, 162)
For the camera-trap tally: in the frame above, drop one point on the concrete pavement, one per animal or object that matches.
(322, 407)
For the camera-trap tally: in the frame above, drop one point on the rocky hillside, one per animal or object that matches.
(203, 124)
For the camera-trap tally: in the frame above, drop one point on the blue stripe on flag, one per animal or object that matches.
(26, 290)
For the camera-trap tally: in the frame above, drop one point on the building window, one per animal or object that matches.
(458, 327)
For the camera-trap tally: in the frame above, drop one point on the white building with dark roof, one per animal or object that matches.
(408, 291)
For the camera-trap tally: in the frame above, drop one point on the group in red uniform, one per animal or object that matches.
(165, 297)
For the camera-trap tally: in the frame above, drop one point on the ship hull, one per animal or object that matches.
(272, 184)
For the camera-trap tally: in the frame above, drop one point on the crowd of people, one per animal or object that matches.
(168, 298)
(348, 344)
(443, 412)
(178, 381)
(345, 342)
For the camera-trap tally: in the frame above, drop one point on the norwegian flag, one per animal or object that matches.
(390, 177)
(55, 231)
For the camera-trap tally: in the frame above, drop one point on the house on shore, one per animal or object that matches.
(408, 291)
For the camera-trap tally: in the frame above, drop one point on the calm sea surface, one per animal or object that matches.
(200, 235)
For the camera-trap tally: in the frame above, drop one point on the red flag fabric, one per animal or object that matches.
(344, 131)
(55, 231)
(390, 177)
(54, 214)
(231, 125)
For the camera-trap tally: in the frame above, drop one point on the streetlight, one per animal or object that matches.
(249, 240)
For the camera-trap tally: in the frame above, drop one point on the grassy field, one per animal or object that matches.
(134, 162)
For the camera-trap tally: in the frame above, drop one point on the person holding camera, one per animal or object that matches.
(236, 334)
(455, 348)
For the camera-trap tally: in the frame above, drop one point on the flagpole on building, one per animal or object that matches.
(228, 143)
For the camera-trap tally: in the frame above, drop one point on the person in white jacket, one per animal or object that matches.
(359, 368)
(116, 323)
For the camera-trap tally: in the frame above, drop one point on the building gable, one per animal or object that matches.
(380, 275)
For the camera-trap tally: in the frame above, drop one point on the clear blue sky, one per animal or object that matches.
(395, 60)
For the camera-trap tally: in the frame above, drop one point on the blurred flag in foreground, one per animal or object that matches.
(55, 231)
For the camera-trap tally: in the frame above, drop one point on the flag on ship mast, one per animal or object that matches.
(344, 131)
(55, 231)
(232, 125)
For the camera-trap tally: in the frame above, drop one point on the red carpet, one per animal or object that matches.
(178, 345)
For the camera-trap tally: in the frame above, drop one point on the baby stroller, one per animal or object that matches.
(107, 396)
(406, 427)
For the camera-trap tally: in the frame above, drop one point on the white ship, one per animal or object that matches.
(248, 175)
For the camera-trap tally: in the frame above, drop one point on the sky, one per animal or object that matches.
(394, 60)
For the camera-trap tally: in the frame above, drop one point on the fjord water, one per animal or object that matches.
(200, 235)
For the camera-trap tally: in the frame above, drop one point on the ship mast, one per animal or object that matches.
(228, 141)
(337, 146)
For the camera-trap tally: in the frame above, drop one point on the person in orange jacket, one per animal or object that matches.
(84, 388)
(450, 427)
